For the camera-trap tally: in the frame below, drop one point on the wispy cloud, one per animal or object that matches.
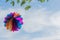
(36, 20)
(55, 19)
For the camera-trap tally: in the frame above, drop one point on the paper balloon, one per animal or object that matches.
(13, 21)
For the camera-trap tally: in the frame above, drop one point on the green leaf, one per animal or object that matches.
(41, 1)
(27, 7)
(47, 0)
(29, 0)
(12, 3)
(23, 2)
(7, 0)
(18, 1)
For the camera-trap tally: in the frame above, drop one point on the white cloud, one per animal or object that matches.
(19, 38)
(36, 20)
(54, 37)
(55, 19)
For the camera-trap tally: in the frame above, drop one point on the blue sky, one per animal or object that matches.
(41, 21)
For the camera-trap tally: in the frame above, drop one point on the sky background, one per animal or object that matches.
(41, 21)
